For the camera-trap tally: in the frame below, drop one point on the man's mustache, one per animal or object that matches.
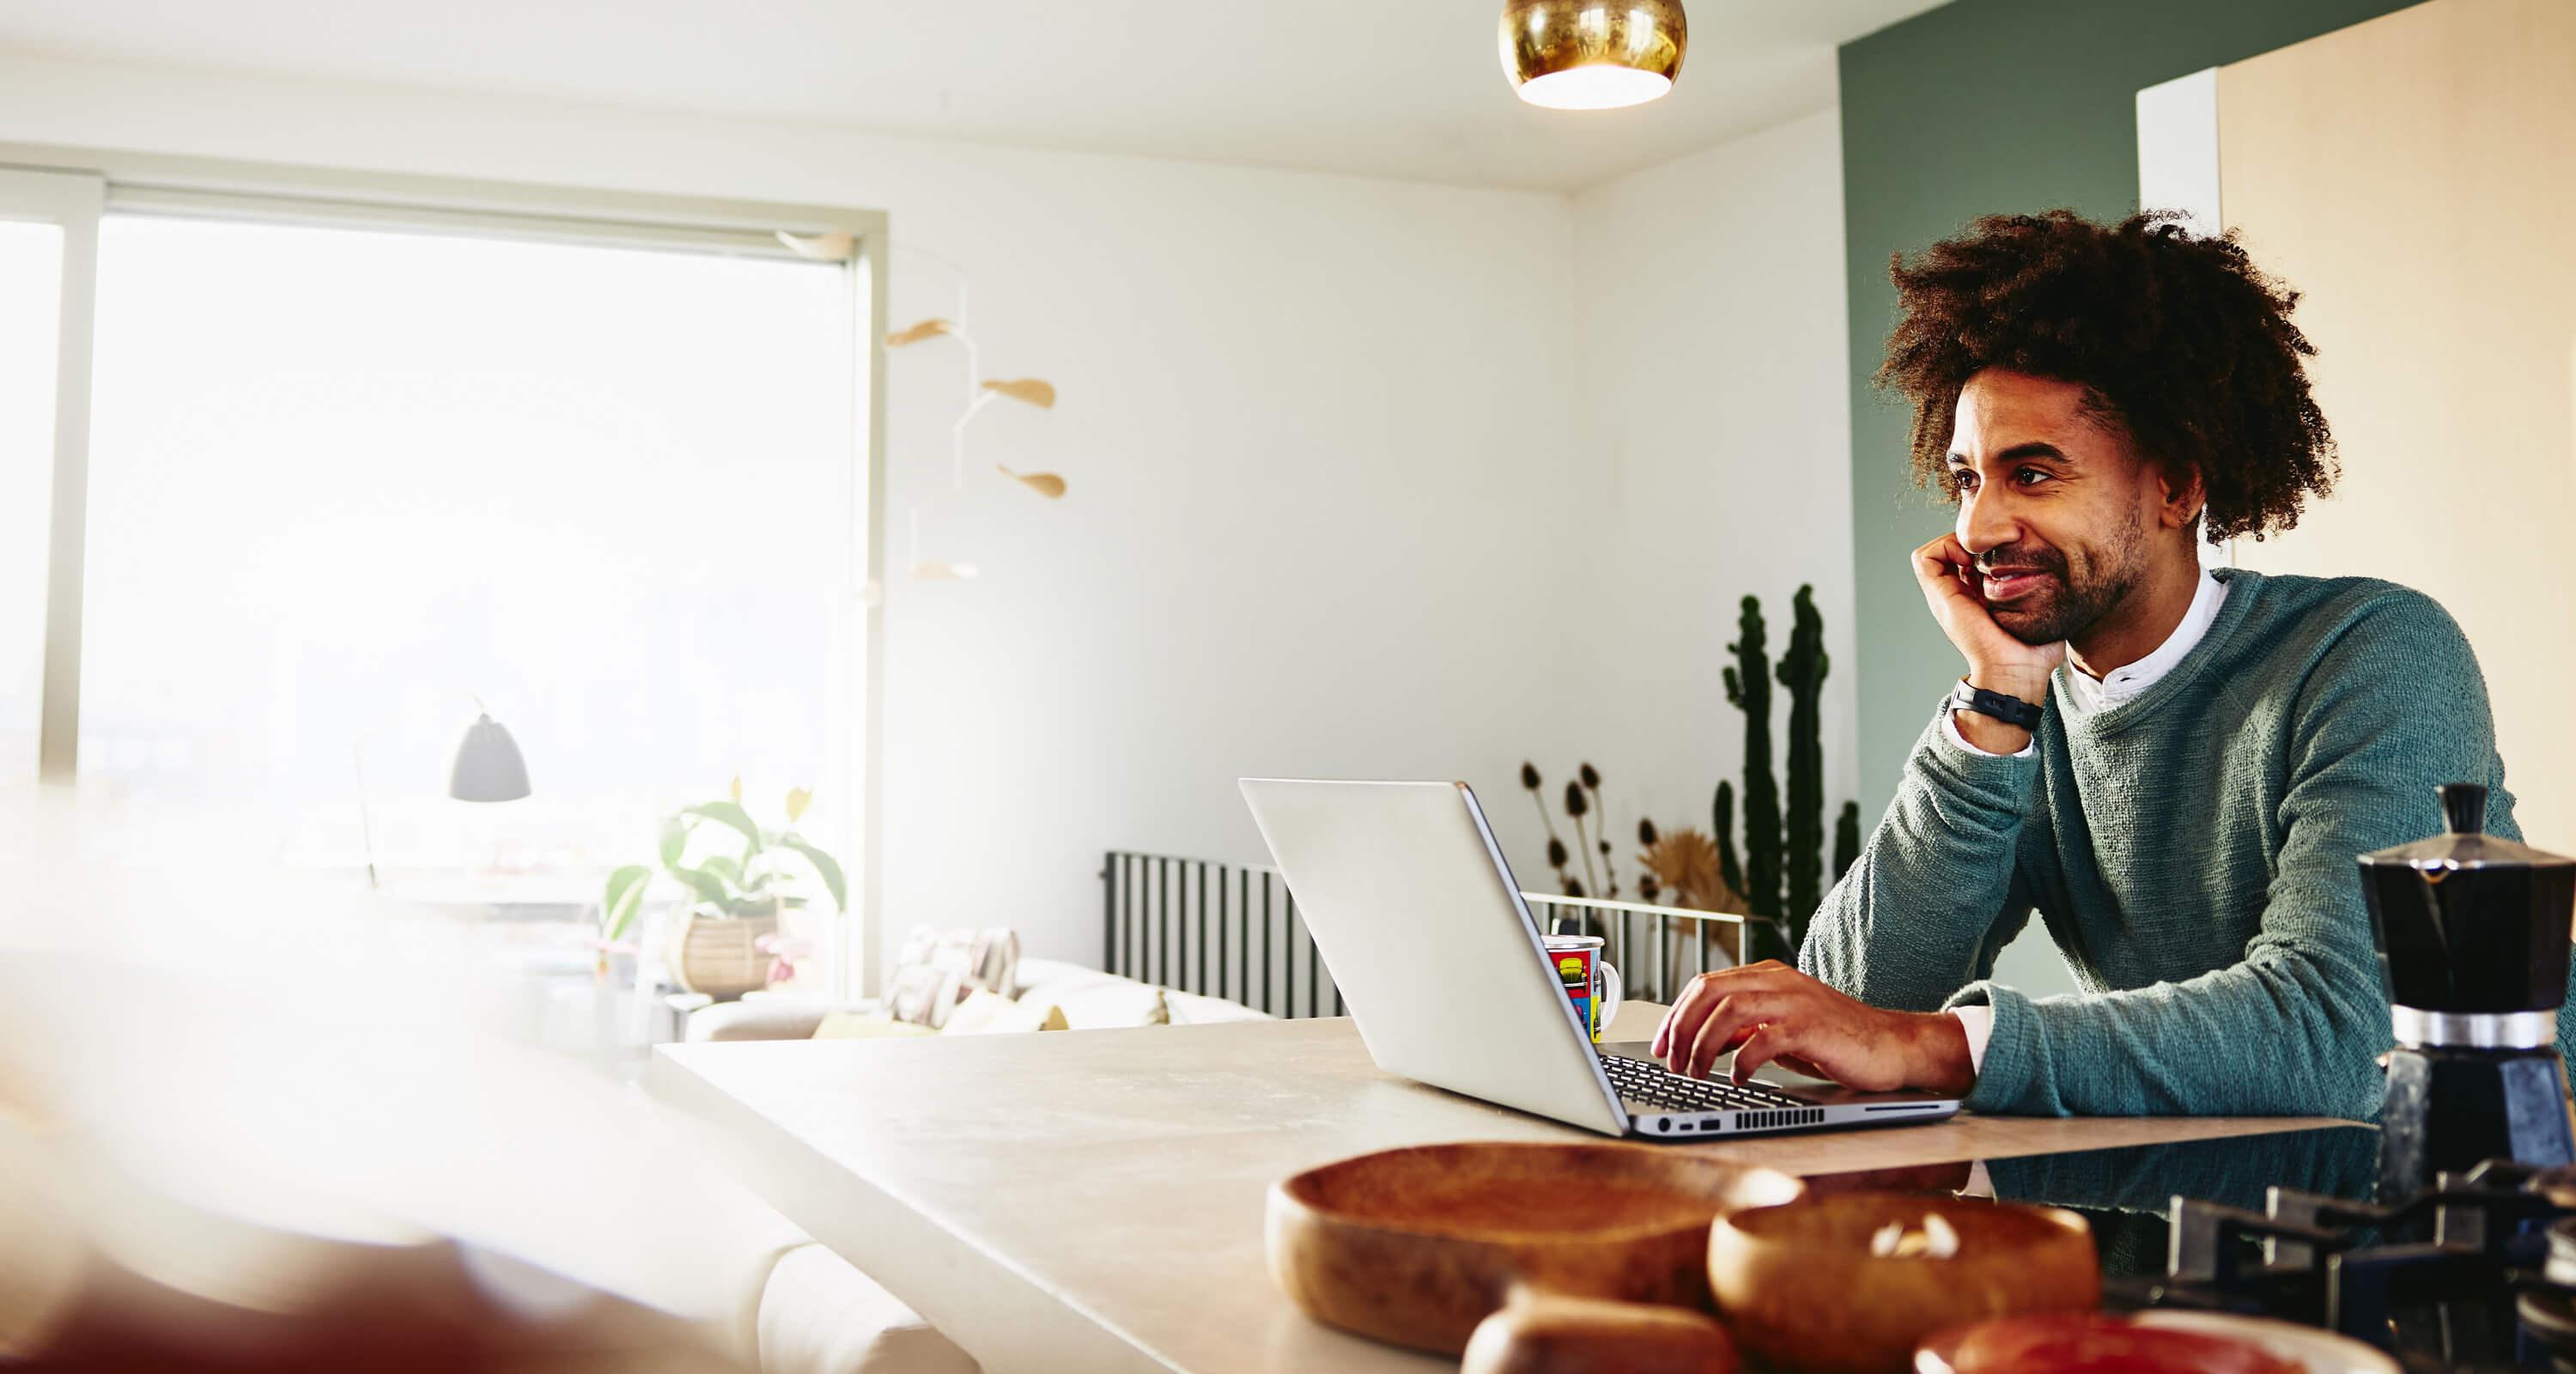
(2017, 558)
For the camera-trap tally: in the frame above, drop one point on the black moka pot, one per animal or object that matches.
(2475, 929)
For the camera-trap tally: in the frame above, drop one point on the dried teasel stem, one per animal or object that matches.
(1556, 854)
(1591, 780)
(1576, 804)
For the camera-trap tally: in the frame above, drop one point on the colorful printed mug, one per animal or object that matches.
(1589, 979)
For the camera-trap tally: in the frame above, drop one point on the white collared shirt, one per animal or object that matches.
(2090, 694)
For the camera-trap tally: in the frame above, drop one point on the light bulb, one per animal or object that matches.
(1597, 87)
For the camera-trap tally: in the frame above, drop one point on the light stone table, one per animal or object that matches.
(1093, 1200)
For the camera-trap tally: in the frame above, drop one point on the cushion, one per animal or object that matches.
(1106, 1005)
(756, 1020)
(935, 969)
(820, 1315)
(924, 995)
(984, 1013)
(1034, 972)
(1092, 1000)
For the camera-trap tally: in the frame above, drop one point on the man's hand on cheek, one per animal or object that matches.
(1946, 573)
(1770, 1012)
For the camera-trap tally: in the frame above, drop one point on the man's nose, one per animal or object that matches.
(1985, 523)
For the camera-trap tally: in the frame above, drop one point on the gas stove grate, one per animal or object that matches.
(2456, 1278)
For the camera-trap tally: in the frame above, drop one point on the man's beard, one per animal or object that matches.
(2065, 607)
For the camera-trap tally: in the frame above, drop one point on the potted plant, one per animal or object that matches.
(740, 877)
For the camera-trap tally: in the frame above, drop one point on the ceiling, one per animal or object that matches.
(1409, 89)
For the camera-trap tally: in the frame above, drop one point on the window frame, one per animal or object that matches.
(76, 187)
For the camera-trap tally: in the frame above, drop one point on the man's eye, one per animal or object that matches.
(2030, 477)
(1962, 479)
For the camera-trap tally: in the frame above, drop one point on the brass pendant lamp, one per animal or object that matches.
(1592, 54)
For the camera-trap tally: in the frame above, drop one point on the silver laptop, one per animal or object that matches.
(1415, 911)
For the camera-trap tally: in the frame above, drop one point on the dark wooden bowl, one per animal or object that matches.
(1416, 1246)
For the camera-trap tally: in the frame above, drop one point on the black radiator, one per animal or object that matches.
(1234, 931)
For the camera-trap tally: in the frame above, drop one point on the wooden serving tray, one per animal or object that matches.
(1416, 1246)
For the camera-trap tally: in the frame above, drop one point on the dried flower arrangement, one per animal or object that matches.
(1686, 864)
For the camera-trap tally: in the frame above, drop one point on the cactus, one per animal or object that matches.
(1748, 689)
(1802, 670)
(1776, 848)
(1724, 814)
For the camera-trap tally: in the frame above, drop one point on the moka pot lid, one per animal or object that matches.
(2466, 844)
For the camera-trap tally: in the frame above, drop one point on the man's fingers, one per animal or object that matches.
(1717, 1009)
(1768, 1042)
(1940, 568)
(1726, 1024)
(1942, 557)
(1681, 1023)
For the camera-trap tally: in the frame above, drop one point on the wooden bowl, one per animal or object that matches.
(1545, 1334)
(1416, 1246)
(1798, 1286)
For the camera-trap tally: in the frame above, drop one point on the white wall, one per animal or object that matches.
(1317, 429)
(1715, 413)
(1369, 479)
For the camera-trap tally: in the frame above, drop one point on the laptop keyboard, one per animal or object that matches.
(1651, 1083)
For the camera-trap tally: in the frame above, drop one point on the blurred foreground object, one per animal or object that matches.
(276, 1130)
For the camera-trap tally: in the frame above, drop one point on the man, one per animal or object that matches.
(2174, 768)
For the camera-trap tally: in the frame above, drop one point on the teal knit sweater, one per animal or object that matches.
(2191, 851)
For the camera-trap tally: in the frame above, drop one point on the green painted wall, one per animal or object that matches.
(1976, 107)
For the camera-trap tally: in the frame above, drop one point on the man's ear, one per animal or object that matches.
(2184, 495)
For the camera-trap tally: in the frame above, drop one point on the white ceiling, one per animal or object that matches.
(1409, 89)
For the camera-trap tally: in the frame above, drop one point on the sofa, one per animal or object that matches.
(1087, 998)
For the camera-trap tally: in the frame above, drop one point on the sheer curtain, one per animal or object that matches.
(345, 483)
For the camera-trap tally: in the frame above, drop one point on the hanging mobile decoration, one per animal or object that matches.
(981, 391)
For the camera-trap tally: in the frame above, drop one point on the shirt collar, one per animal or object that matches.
(2123, 683)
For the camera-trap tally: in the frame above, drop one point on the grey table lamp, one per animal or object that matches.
(488, 768)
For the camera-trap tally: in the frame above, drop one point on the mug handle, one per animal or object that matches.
(1612, 990)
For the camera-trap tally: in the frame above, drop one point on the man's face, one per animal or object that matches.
(2054, 504)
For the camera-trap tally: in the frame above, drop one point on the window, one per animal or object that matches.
(31, 255)
(344, 483)
(356, 469)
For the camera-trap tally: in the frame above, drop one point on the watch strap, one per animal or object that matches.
(2009, 710)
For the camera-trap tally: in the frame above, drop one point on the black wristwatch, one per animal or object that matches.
(2009, 710)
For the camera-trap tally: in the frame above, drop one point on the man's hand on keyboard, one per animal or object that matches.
(1770, 1011)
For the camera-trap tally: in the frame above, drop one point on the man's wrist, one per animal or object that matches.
(1942, 1062)
(2000, 736)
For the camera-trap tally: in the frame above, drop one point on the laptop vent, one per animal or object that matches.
(1764, 1121)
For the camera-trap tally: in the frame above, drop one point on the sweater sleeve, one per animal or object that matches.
(2394, 705)
(1933, 897)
